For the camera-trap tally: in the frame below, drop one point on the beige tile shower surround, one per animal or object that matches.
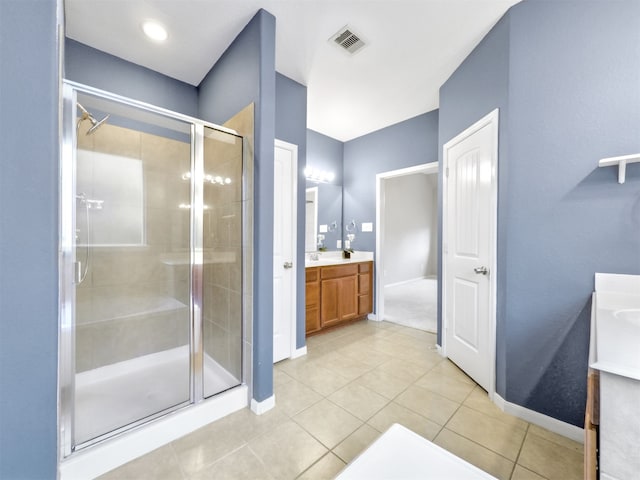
(331, 404)
(133, 297)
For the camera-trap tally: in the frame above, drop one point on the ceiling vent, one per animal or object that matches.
(348, 40)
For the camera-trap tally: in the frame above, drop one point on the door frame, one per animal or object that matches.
(294, 240)
(426, 168)
(492, 120)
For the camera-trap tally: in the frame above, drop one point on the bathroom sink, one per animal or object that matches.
(617, 328)
(631, 316)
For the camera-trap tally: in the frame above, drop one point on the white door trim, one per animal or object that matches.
(294, 234)
(491, 118)
(379, 264)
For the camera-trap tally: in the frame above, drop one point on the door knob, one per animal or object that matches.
(288, 265)
(481, 270)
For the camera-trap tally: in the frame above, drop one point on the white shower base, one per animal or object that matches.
(110, 397)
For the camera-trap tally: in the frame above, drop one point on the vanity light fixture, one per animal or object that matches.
(318, 176)
(154, 31)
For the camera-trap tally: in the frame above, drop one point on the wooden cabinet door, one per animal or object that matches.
(348, 297)
(339, 300)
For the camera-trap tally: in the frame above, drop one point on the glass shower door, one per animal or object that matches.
(222, 261)
(132, 266)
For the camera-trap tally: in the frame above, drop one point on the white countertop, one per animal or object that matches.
(615, 325)
(400, 453)
(335, 258)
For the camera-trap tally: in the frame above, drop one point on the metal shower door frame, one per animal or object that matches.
(66, 260)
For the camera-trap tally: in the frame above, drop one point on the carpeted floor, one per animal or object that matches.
(412, 304)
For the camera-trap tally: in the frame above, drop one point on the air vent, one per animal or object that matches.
(348, 40)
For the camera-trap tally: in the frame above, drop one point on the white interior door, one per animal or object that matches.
(284, 248)
(470, 160)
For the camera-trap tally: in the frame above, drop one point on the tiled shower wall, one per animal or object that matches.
(222, 227)
(135, 298)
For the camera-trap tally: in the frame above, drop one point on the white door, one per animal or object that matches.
(470, 162)
(284, 248)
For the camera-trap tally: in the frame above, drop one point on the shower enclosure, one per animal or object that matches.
(151, 264)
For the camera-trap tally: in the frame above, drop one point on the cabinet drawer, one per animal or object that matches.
(312, 274)
(339, 271)
(364, 267)
(313, 320)
(364, 304)
(312, 294)
(364, 282)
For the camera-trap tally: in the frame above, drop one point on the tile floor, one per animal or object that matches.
(332, 403)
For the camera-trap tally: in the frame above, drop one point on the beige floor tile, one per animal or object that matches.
(488, 432)
(447, 387)
(324, 469)
(327, 422)
(479, 400)
(346, 367)
(559, 439)
(365, 355)
(426, 359)
(405, 370)
(394, 413)
(294, 397)
(250, 425)
(359, 401)
(521, 473)
(428, 404)
(280, 377)
(450, 369)
(207, 445)
(356, 443)
(550, 459)
(287, 451)
(161, 464)
(475, 454)
(320, 379)
(241, 464)
(384, 383)
(427, 337)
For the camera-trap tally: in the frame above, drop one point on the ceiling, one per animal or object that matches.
(413, 46)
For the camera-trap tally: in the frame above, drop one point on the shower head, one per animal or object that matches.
(95, 124)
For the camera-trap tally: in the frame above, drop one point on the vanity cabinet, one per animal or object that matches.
(313, 299)
(338, 294)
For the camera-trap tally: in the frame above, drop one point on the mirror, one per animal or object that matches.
(323, 216)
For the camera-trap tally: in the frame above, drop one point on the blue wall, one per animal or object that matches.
(326, 153)
(477, 87)
(573, 97)
(84, 64)
(28, 239)
(405, 144)
(244, 74)
(291, 126)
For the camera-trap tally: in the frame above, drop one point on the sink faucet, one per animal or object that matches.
(313, 256)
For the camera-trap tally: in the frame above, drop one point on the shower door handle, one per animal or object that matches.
(288, 265)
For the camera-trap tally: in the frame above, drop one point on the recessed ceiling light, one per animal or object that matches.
(154, 31)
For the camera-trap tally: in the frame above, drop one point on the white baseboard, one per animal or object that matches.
(264, 406)
(373, 316)
(557, 426)
(300, 352)
(439, 350)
